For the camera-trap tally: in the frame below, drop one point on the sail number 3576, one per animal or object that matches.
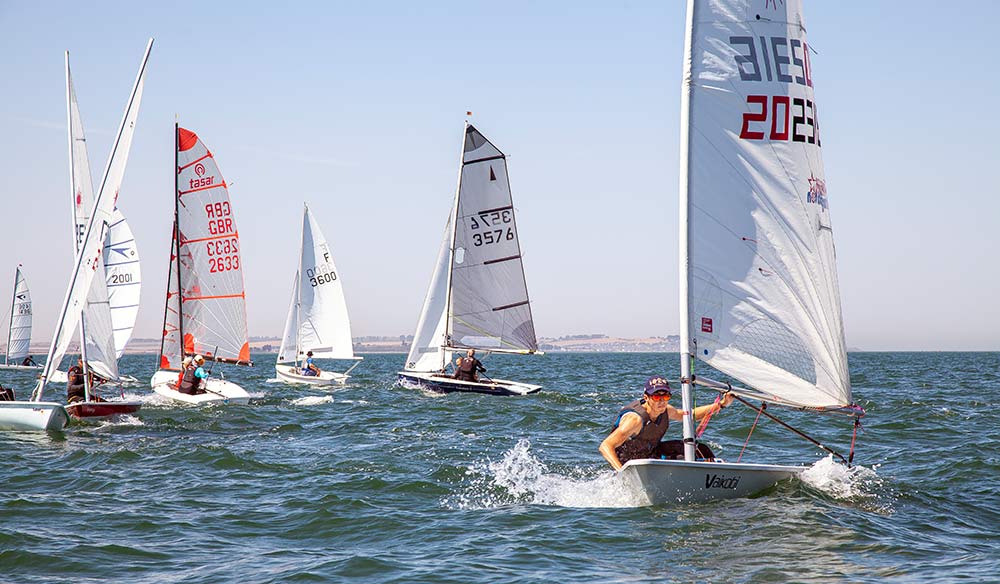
(494, 226)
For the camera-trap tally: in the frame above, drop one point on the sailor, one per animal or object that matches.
(194, 377)
(642, 423)
(75, 388)
(467, 368)
(184, 367)
(6, 394)
(308, 368)
(29, 362)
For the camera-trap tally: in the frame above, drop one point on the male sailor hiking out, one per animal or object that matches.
(642, 423)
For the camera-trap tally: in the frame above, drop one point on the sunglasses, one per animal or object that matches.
(660, 396)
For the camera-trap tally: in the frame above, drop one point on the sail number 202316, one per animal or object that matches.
(492, 226)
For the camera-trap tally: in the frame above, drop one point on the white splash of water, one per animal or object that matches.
(857, 484)
(521, 478)
(122, 420)
(312, 400)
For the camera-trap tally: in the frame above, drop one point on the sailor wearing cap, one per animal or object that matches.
(642, 423)
(193, 378)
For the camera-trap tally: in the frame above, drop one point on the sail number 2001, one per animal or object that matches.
(487, 221)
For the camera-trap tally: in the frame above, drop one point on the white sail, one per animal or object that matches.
(289, 338)
(92, 247)
(206, 301)
(19, 333)
(124, 280)
(322, 323)
(427, 353)
(762, 292)
(95, 322)
(489, 306)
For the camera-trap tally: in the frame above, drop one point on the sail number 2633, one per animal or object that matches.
(492, 226)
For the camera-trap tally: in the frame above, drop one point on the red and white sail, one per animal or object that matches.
(206, 301)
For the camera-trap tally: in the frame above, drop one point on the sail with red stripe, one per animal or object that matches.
(206, 303)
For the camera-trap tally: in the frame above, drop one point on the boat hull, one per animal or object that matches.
(58, 376)
(218, 391)
(32, 416)
(289, 374)
(102, 409)
(20, 367)
(446, 384)
(665, 482)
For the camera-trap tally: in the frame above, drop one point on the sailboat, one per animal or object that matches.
(36, 414)
(478, 298)
(19, 331)
(759, 295)
(205, 310)
(317, 321)
(97, 334)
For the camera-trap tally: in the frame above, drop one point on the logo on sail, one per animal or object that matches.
(199, 169)
(706, 325)
(817, 192)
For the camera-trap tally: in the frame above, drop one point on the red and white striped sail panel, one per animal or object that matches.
(212, 300)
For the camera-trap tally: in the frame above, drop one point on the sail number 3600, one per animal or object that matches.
(487, 221)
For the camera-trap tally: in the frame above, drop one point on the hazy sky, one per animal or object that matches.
(357, 108)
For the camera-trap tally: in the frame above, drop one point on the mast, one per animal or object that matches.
(298, 286)
(177, 243)
(10, 325)
(685, 241)
(451, 253)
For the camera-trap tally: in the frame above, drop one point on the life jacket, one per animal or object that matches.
(467, 369)
(643, 444)
(189, 383)
(75, 388)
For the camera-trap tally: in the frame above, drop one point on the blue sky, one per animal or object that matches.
(357, 108)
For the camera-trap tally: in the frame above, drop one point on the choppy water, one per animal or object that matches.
(380, 484)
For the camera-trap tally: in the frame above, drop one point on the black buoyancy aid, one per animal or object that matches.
(189, 383)
(74, 383)
(643, 444)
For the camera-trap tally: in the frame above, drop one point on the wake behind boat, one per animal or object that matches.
(759, 294)
(205, 310)
(318, 325)
(477, 298)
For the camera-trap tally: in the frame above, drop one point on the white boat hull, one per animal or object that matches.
(218, 391)
(20, 367)
(32, 415)
(665, 482)
(447, 384)
(291, 374)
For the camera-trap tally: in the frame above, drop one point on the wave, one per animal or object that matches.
(521, 478)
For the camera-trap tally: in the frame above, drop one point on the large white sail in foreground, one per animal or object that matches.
(763, 296)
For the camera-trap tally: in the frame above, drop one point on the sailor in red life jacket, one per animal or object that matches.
(468, 368)
(642, 423)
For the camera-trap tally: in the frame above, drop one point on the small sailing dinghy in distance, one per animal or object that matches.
(97, 326)
(758, 284)
(19, 331)
(478, 298)
(205, 312)
(317, 322)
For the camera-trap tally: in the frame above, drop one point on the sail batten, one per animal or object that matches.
(762, 291)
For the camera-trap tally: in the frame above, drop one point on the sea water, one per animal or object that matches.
(380, 484)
